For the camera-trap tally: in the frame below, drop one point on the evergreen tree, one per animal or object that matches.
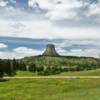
(32, 67)
(1, 69)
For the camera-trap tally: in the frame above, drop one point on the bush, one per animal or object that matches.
(39, 69)
(49, 71)
(32, 67)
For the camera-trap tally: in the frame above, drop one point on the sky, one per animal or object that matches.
(26, 26)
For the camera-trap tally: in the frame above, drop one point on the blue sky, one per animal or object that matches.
(11, 47)
(28, 25)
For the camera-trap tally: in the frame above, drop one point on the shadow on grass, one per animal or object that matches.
(3, 80)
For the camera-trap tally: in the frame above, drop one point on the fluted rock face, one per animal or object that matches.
(50, 51)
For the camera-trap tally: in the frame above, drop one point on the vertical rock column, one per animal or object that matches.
(50, 50)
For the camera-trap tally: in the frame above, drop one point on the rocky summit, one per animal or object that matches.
(50, 51)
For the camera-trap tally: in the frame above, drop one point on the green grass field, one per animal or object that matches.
(50, 89)
(25, 73)
(80, 73)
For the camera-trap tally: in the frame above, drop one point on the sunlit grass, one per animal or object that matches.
(25, 73)
(50, 89)
(80, 73)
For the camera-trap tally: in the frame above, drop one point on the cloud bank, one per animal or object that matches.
(50, 18)
(76, 22)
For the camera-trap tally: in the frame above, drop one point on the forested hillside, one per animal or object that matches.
(46, 64)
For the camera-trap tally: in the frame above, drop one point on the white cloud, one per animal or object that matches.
(19, 52)
(43, 4)
(68, 9)
(3, 3)
(55, 10)
(63, 11)
(68, 43)
(61, 51)
(46, 24)
(25, 50)
(88, 48)
(9, 55)
(2, 45)
(89, 52)
(38, 28)
(76, 50)
(94, 10)
(86, 53)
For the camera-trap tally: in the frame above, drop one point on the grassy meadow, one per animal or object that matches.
(76, 73)
(82, 73)
(50, 89)
(53, 89)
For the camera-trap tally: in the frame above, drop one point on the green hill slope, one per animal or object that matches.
(63, 62)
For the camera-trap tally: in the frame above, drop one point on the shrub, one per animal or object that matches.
(32, 67)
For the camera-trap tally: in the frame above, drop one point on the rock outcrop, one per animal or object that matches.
(50, 51)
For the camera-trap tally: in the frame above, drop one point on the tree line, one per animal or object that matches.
(9, 67)
(47, 66)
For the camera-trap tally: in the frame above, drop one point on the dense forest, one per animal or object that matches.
(9, 67)
(46, 65)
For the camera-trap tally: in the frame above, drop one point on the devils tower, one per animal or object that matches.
(50, 51)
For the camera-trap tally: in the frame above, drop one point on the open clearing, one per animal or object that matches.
(80, 73)
(50, 89)
(65, 86)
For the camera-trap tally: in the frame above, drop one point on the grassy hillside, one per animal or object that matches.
(46, 65)
(50, 89)
(65, 62)
(60, 60)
